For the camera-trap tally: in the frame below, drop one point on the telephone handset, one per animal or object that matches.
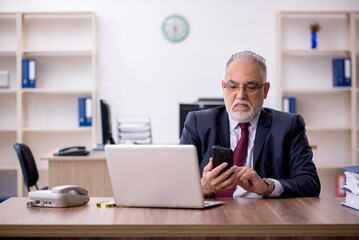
(61, 196)
(72, 151)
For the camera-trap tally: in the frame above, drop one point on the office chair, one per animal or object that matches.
(28, 165)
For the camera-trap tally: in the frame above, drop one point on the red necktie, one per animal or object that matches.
(239, 156)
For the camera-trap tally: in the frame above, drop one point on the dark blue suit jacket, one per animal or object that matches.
(281, 148)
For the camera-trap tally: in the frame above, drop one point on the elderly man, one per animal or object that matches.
(271, 152)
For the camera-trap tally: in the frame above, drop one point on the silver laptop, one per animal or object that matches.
(155, 176)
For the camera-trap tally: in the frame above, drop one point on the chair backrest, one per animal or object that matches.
(28, 165)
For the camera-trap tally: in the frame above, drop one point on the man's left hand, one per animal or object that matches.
(250, 181)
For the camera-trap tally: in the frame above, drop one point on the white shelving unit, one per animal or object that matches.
(331, 113)
(46, 117)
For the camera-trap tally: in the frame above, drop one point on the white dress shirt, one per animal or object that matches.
(235, 135)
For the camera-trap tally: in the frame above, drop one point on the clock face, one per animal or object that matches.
(175, 28)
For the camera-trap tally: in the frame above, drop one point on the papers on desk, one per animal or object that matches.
(351, 187)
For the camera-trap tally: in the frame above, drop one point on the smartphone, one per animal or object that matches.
(221, 155)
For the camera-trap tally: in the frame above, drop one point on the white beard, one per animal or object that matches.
(241, 117)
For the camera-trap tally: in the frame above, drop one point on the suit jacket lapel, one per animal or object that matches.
(223, 128)
(263, 127)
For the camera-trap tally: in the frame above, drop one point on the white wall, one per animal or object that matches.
(140, 72)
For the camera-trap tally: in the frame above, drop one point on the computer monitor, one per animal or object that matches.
(202, 103)
(105, 121)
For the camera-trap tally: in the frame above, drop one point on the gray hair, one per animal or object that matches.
(249, 57)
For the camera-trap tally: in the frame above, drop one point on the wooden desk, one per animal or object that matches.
(89, 172)
(297, 218)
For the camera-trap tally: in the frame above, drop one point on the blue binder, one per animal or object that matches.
(82, 112)
(289, 104)
(354, 169)
(25, 73)
(28, 73)
(342, 74)
(88, 111)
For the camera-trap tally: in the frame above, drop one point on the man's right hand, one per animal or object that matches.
(213, 182)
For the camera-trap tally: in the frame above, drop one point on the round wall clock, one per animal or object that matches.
(175, 28)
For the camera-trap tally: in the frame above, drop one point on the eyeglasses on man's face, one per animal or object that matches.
(248, 88)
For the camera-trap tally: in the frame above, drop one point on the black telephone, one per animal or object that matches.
(72, 151)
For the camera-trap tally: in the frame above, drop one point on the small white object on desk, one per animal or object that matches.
(61, 196)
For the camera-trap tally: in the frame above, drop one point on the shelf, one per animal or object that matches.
(8, 167)
(317, 91)
(315, 52)
(328, 128)
(56, 91)
(53, 130)
(7, 53)
(59, 14)
(331, 165)
(7, 91)
(85, 52)
(7, 14)
(8, 130)
(310, 13)
(330, 112)
(46, 117)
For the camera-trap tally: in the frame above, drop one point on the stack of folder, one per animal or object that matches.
(134, 129)
(351, 187)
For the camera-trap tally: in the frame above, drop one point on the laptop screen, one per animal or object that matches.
(155, 175)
